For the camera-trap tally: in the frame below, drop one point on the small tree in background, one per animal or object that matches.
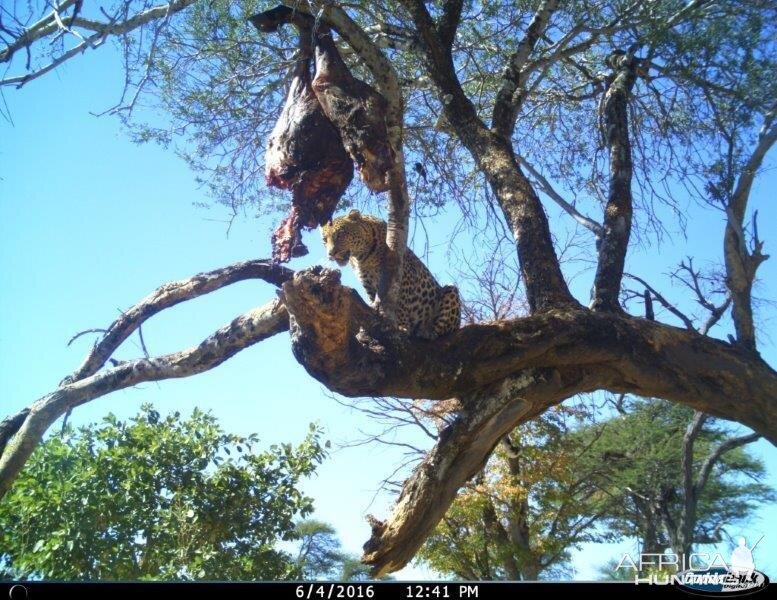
(671, 478)
(320, 555)
(157, 498)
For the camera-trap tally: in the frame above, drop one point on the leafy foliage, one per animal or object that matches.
(565, 481)
(320, 556)
(157, 498)
(223, 85)
(641, 453)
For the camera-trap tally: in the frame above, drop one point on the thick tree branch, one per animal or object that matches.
(617, 215)
(494, 156)
(449, 21)
(461, 452)
(346, 346)
(83, 384)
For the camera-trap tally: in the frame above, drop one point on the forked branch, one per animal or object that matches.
(21, 433)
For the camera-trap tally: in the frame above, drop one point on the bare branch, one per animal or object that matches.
(244, 331)
(546, 187)
(503, 119)
(169, 295)
(741, 265)
(85, 332)
(40, 29)
(101, 31)
(687, 321)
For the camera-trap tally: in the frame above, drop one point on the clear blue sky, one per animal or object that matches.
(90, 223)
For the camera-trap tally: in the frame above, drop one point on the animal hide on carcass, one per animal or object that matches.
(306, 155)
(358, 111)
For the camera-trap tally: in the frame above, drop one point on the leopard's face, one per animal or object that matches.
(347, 236)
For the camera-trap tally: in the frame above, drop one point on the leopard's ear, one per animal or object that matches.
(354, 213)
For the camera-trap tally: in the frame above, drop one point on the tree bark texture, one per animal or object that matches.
(505, 373)
(494, 156)
(617, 214)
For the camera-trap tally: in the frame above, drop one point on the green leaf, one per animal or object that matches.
(113, 499)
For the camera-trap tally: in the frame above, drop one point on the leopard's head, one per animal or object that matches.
(352, 235)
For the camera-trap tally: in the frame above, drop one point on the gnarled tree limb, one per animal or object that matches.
(505, 373)
(246, 330)
(168, 295)
(462, 451)
(346, 346)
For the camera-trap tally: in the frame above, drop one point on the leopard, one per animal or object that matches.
(425, 309)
